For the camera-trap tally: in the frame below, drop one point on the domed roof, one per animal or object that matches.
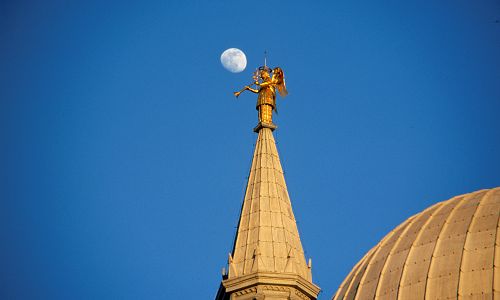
(450, 250)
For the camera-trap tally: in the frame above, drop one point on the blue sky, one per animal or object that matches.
(124, 153)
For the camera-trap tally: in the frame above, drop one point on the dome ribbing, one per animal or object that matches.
(450, 250)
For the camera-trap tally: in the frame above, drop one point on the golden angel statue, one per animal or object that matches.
(267, 86)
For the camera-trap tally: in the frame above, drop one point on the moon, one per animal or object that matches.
(233, 60)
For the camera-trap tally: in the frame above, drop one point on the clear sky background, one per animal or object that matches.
(124, 154)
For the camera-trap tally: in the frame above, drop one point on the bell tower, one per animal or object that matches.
(267, 260)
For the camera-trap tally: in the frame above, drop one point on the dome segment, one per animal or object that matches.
(448, 251)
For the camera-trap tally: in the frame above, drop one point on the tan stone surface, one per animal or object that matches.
(265, 285)
(267, 238)
(449, 251)
(267, 261)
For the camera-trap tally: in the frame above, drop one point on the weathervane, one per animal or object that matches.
(267, 85)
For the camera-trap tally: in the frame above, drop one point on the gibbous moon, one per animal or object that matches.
(233, 60)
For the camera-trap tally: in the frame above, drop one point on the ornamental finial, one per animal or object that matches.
(266, 81)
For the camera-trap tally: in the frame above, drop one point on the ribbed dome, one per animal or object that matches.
(450, 250)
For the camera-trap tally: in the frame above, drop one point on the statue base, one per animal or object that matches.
(261, 125)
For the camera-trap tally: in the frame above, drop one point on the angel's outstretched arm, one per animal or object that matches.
(245, 89)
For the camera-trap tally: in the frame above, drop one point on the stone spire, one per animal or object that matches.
(267, 261)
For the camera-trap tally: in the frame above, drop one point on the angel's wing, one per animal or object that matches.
(279, 77)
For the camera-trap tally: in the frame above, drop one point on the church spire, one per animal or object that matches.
(267, 260)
